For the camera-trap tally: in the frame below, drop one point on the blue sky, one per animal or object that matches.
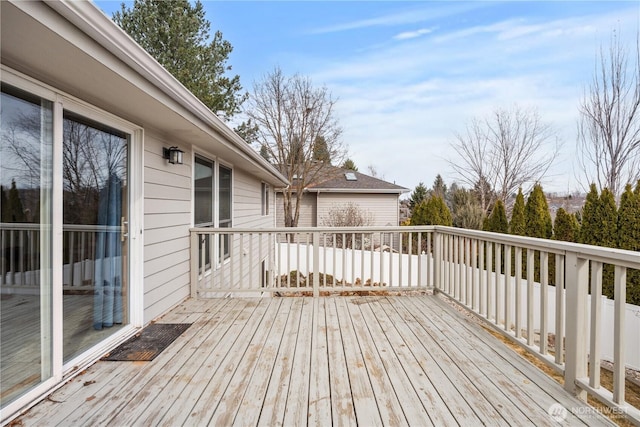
(409, 75)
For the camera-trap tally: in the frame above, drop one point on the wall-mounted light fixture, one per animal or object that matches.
(173, 154)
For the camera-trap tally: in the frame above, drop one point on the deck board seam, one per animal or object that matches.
(467, 383)
(205, 334)
(536, 376)
(396, 350)
(480, 375)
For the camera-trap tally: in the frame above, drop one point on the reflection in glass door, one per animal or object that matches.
(25, 263)
(95, 219)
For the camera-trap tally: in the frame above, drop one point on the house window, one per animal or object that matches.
(224, 213)
(265, 199)
(203, 203)
(208, 193)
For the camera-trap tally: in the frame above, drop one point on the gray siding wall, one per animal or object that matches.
(383, 207)
(167, 218)
(308, 209)
(247, 202)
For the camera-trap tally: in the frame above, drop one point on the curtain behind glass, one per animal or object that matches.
(95, 171)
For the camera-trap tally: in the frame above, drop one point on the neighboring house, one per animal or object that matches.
(95, 220)
(337, 188)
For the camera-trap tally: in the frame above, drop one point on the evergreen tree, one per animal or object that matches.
(518, 219)
(264, 152)
(629, 236)
(419, 214)
(321, 151)
(608, 220)
(417, 196)
(439, 187)
(4, 212)
(590, 225)
(176, 34)
(629, 220)
(15, 210)
(433, 211)
(484, 193)
(465, 208)
(537, 217)
(565, 227)
(606, 234)
(497, 221)
(349, 164)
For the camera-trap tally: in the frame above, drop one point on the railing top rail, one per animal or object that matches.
(26, 226)
(293, 230)
(630, 259)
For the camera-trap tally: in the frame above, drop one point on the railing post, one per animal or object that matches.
(437, 261)
(576, 282)
(620, 297)
(316, 264)
(194, 264)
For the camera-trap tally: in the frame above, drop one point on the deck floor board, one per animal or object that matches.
(379, 360)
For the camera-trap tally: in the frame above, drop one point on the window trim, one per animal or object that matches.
(217, 164)
(265, 189)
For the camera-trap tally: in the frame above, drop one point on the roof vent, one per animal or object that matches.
(350, 176)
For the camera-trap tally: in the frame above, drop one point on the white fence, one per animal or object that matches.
(354, 266)
(631, 314)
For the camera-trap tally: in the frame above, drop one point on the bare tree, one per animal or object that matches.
(374, 172)
(506, 150)
(348, 215)
(609, 123)
(292, 116)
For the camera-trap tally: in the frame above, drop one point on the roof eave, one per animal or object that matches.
(94, 23)
(358, 190)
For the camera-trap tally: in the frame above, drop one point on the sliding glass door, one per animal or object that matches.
(25, 236)
(95, 223)
(64, 259)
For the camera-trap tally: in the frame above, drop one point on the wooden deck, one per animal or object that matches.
(407, 360)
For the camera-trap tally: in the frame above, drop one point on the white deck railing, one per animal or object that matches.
(285, 260)
(20, 257)
(502, 278)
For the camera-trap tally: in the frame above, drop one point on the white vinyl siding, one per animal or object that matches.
(308, 208)
(247, 209)
(167, 219)
(383, 207)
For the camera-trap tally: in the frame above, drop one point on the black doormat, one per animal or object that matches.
(148, 343)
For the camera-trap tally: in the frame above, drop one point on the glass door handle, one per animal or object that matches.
(124, 229)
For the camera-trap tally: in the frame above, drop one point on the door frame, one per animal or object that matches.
(61, 372)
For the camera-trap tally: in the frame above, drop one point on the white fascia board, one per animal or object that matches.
(357, 190)
(95, 24)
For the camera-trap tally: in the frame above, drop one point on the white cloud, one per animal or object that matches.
(401, 103)
(412, 34)
(435, 12)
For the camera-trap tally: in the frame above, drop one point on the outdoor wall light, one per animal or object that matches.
(173, 154)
